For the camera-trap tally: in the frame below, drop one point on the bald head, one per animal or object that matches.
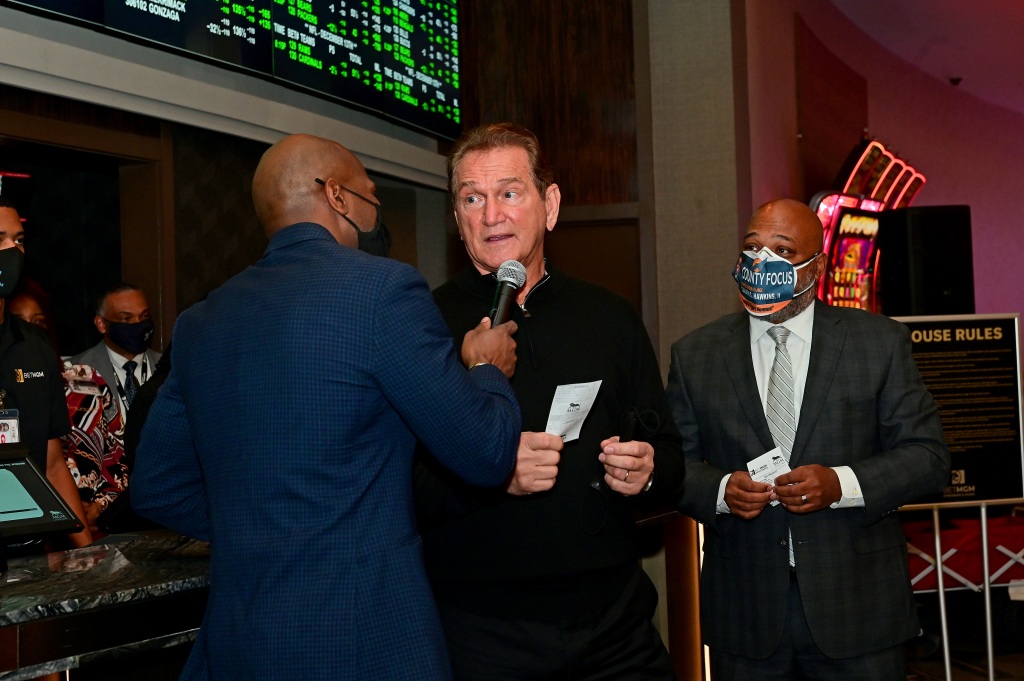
(284, 188)
(792, 230)
(790, 220)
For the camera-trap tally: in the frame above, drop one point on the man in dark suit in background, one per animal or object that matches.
(123, 357)
(285, 432)
(805, 571)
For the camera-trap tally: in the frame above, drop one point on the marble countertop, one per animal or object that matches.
(124, 569)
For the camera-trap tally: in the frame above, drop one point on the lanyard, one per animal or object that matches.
(120, 387)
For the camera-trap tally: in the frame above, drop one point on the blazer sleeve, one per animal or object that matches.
(167, 485)
(700, 495)
(469, 420)
(913, 460)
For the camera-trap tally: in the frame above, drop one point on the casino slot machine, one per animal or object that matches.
(872, 180)
(852, 273)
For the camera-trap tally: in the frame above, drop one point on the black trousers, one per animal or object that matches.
(617, 644)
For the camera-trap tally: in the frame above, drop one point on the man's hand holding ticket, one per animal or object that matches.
(767, 467)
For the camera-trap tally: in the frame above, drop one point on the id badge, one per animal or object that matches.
(83, 386)
(9, 426)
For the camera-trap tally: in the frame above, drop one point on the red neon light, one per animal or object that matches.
(878, 171)
(906, 196)
(884, 173)
(826, 207)
(872, 149)
(885, 182)
(899, 185)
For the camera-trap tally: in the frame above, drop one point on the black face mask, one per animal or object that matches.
(11, 260)
(378, 240)
(132, 336)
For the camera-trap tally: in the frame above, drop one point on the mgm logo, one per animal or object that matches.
(958, 486)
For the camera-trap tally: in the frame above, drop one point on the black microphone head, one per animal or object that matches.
(513, 272)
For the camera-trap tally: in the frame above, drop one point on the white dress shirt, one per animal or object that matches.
(762, 351)
(142, 372)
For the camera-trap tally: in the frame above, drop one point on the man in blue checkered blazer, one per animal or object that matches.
(284, 435)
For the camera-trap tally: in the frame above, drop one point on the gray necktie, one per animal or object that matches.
(131, 385)
(781, 411)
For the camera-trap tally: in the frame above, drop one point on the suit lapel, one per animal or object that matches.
(103, 365)
(740, 366)
(826, 349)
(150, 364)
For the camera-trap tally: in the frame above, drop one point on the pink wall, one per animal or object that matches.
(971, 152)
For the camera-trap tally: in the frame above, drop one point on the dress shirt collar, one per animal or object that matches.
(117, 361)
(800, 326)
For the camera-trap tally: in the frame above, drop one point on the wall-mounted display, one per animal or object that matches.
(396, 58)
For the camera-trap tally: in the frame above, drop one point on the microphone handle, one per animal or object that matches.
(502, 306)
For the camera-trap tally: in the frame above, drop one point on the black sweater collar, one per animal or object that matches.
(482, 285)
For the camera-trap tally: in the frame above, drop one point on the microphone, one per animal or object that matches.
(511, 276)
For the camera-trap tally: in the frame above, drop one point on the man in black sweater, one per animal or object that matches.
(542, 579)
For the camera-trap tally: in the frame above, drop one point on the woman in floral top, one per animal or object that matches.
(94, 449)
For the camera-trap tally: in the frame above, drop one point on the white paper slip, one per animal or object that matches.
(767, 467)
(569, 409)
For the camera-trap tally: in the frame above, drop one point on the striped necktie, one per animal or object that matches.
(781, 411)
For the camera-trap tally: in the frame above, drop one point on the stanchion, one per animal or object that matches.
(942, 595)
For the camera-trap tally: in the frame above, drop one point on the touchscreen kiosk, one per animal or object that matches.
(30, 507)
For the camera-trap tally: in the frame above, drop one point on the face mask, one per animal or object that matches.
(767, 281)
(133, 337)
(11, 260)
(378, 240)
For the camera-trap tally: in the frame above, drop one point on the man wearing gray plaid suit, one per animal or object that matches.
(804, 428)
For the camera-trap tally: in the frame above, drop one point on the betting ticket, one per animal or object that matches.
(569, 409)
(767, 467)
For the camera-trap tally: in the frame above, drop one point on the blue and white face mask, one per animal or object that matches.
(767, 281)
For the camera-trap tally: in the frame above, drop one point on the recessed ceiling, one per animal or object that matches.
(979, 42)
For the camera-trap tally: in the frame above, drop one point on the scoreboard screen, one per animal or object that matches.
(397, 58)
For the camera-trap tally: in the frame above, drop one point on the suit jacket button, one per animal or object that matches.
(782, 542)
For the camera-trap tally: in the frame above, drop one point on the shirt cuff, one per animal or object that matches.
(722, 507)
(853, 497)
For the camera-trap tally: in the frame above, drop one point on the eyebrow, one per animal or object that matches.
(781, 237)
(502, 182)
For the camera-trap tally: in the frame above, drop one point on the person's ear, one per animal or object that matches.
(335, 197)
(820, 266)
(552, 201)
(101, 324)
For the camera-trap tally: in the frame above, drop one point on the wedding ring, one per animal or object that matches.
(627, 477)
(803, 498)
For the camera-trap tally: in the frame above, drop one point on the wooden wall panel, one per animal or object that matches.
(584, 251)
(564, 70)
(216, 231)
(41, 105)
